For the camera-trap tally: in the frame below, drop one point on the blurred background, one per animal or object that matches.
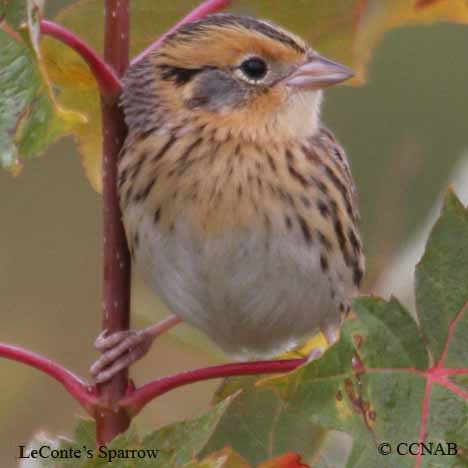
(405, 130)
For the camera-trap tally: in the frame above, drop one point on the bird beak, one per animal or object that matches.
(318, 72)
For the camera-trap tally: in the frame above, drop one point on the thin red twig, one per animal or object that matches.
(108, 81)
(206, 8)
(76, 387)
(116, 261)
(143, 395)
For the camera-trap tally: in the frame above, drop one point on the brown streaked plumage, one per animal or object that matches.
(239, 207)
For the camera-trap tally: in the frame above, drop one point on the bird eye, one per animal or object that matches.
(254, 68)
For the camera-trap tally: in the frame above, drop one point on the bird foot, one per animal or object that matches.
(123, 348)
(119, 350)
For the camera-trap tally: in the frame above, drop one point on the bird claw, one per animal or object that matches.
(119, 351)
(104, 341)
(100, 339)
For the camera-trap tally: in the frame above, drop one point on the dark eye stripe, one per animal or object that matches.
(180, 76)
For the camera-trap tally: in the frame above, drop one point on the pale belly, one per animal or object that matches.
(254, 294)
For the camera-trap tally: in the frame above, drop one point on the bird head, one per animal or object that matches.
(244, 76)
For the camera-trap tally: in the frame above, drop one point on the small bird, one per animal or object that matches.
(238, 205)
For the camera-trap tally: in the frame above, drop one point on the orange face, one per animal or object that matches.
(233, 70)
(242, 75)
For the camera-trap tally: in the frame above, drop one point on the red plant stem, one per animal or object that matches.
(108, 81)
(116, 281)
(206, 8)
(143, 395)
(73, 384)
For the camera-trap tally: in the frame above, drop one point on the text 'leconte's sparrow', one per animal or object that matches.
(239, 207)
